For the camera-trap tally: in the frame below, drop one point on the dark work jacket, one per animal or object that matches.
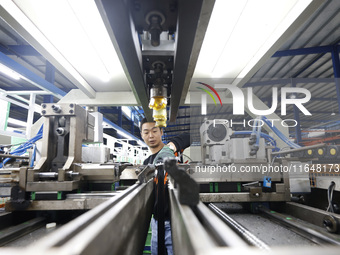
(181, 141)
(158, 158)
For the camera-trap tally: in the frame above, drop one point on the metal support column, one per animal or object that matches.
(336, 68)
(5, 106)
(30, 115)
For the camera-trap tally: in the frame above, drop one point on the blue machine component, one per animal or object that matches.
(267, 182)
(24, 147)
(279, 134)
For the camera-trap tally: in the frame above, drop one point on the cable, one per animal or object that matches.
(187, 157)
(273, 160)
(330, 191)
(258, 134)
(33, 155)
(279, 134)
(263, 135)
(11, 145)
(275, 157)
(24, 146)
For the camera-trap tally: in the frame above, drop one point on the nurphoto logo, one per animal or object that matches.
(238, 99)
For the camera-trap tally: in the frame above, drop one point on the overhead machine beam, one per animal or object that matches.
(119, 24)
(158, 44)
(190, 34)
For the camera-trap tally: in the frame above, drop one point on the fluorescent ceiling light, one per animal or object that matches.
(17, 122)
(127, 111)
(94, 29)
(241, 32)
(9, 72)
(71, 35)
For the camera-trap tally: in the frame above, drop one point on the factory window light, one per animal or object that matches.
(240, 33)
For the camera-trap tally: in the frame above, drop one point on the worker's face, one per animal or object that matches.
(151, 135)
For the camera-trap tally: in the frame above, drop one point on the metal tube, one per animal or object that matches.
(91, 233)
(48, 175)
(13, 156)
(242, 231)
(160, 210)
(222, 234)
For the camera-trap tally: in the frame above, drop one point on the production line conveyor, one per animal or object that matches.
(120, 225)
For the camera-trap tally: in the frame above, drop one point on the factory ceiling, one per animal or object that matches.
(112, 56)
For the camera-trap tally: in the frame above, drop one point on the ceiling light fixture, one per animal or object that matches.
(9, 72)
(77, 42)
(241, 33)
(127, 111)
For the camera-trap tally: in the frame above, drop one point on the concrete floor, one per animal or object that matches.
(31, 238)
(266, 230)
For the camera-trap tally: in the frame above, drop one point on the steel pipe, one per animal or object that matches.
(240, 230)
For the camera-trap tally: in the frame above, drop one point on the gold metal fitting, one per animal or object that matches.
(158, 104)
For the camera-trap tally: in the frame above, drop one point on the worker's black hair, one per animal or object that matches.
(145, 121)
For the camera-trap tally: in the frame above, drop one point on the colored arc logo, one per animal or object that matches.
(208, 92)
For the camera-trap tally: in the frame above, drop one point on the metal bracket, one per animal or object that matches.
(146, 174)
(18, 198)
(255, 191)
(188, 189)
(119, 168)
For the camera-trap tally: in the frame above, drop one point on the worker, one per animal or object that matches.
(152, 136)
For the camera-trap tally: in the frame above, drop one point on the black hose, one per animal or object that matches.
(330, 190)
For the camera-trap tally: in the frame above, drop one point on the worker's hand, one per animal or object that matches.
(172, 146)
